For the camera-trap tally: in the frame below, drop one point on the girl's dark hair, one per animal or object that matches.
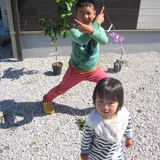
(112, 89)
(83, 3)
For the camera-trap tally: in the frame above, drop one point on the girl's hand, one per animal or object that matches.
(100, 17)
(83, 27)
(129, 142)
(84, 156)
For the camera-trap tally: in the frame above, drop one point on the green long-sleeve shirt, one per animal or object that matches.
(85, 47)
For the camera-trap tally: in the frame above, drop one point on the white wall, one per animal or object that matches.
(38, 45)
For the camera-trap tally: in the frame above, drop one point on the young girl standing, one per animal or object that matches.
(107, 123)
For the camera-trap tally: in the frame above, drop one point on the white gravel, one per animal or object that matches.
(27, 133)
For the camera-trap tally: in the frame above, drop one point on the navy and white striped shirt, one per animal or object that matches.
(102, 138)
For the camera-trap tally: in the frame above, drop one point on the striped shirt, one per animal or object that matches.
(102, 138)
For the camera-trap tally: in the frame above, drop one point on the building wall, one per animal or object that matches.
(149, 15)
(122, 13)
(31, 10)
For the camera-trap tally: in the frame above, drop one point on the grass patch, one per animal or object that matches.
(29, 81)
(33, 143)
(7, 148)
(126, 62)
(80, 123)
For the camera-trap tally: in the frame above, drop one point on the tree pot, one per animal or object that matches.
(57, 68)
(118, 65)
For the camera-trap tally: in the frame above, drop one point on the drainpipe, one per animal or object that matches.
(17, 29)
(11, 26)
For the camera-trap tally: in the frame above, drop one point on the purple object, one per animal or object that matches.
(117, 38)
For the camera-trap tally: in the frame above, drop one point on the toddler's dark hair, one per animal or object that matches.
(112, 89)
(83, 3)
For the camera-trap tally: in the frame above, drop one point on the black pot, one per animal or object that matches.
(118, 65)
(57, 68)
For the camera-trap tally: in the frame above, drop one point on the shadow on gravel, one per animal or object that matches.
(18, 113)
(49, 73)
(14, 114)
(13, 74)
(60, 108)
(110, 70)
(6, 52)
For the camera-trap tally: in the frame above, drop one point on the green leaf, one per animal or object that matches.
(58, 27)
(71, 5)
(67, 26)
(126, 62)
(42, 22)
(69, 14)
(66, 33)
(53, 31)
(58, 1)
(33, 143)
(63, 16)
(44, 29)
(68, 6)
(76, 1)
(62, 34)
(50, 20)
(54, 39)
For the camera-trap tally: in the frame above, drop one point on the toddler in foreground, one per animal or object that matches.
(107, 123)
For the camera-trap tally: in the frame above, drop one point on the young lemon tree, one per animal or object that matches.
(60, 27)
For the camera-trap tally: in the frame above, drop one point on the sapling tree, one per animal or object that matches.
(60, 27)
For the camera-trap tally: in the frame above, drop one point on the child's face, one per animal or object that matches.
(106, 108)
(86, 14)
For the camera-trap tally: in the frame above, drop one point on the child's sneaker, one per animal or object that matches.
(48, 107)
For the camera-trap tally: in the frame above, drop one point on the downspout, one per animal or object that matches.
(11, 26)
(17, 29)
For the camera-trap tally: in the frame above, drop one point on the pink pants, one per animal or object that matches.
(70, 79)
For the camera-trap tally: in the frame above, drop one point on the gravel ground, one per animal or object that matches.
(27, 133)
